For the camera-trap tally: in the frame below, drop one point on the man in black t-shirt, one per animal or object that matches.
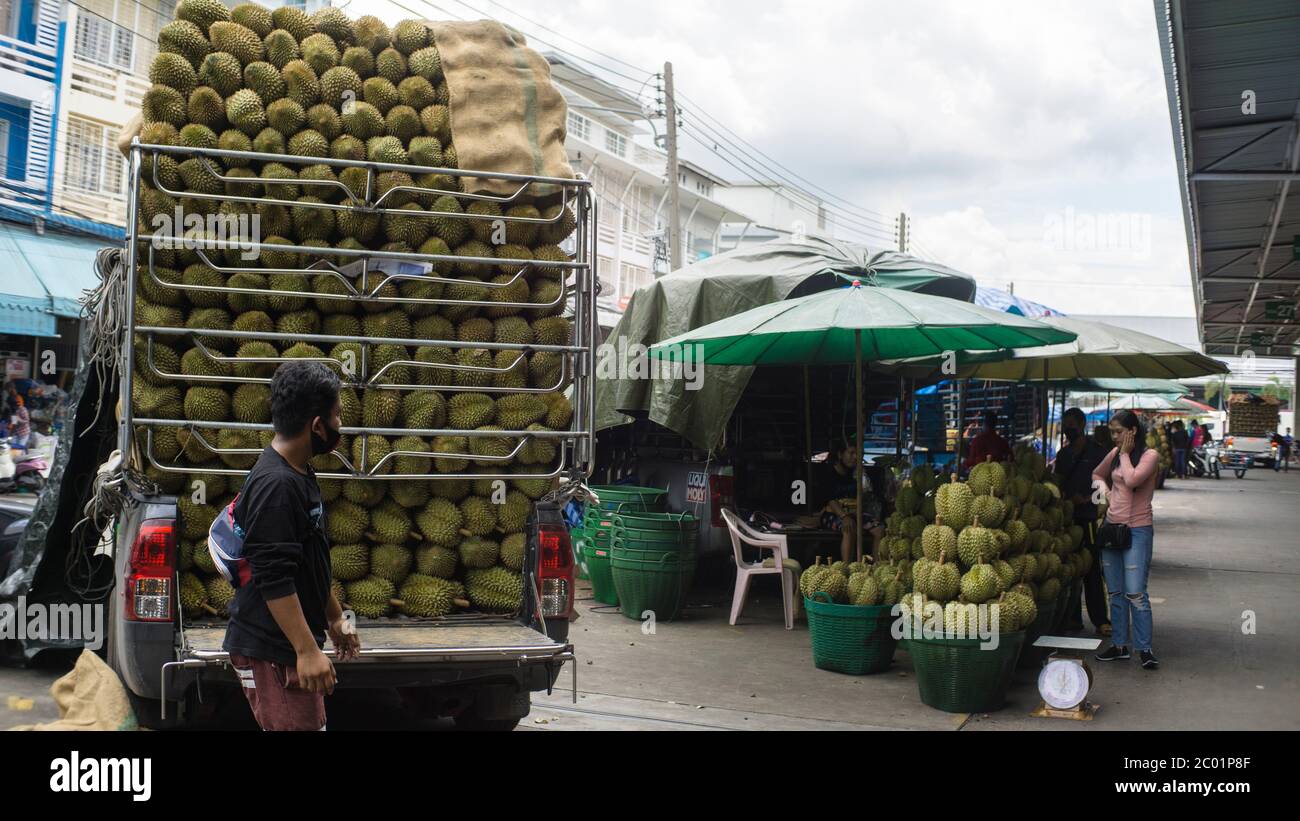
(1075, 462)
(833, 481)
(279, 619)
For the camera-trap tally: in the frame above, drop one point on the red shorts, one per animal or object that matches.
(278, 702)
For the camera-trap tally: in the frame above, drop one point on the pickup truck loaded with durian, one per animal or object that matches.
(415, 225)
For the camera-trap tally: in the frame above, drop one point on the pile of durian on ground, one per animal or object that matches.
(322, 85)
(1004, 536)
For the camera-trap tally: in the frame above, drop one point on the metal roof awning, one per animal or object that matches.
(1231, 74)
(44, 276)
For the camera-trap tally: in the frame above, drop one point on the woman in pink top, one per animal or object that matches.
(1129, 473)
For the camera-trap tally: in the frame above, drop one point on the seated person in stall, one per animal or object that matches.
(989, 443)
(833, 486)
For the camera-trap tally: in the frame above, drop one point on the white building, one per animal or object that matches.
(113, 42)
(777, 211)
(610, 142)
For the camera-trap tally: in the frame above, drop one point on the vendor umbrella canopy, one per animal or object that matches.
(847, 324)
(1161, 386)
(1100, 351)
(850, 325)
(1158, 403)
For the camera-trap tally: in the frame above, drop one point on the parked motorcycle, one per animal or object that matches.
(1204, 461)
(25, 472)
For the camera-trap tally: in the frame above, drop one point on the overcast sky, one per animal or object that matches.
(1029, 141)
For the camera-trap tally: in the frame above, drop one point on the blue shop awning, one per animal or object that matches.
(43, 277)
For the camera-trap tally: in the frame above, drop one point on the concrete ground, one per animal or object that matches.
(1223, 549)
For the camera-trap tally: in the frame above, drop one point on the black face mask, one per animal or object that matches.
(320, 446)
(1072, 435)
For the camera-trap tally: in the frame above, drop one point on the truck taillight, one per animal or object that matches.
(556, 570)
(720, 496)
(150, 570)
(1227, 442)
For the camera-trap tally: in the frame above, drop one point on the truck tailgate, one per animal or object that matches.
(431, 642)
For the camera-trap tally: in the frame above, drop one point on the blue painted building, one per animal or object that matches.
(46, 253)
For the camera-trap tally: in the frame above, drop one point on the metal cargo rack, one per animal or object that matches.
(577, 300)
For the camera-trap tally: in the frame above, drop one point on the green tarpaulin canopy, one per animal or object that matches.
(724, 286)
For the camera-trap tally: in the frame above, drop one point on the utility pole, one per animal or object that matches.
(902, 232)
(674, 189)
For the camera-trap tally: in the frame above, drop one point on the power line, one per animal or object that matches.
(756, 150)
(690, 133)
(879, 229)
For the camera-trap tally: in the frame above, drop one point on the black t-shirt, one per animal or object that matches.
(283, 519)
(1180, 440)
(829, 484)
(1075, 471)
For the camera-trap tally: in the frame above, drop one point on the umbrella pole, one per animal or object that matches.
(807, 427)
(1046, 408)
(857, 472)
(898, 428)
(911, 410)
(961, 423)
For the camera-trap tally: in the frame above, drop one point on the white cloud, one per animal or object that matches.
(982, 120)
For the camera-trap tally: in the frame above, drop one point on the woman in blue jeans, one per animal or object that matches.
(1129, 471)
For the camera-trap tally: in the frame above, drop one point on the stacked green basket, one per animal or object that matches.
(653, 562)
(959, 675)
(594, 542)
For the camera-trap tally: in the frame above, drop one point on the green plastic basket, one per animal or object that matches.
(657, 586)
(600, 572)
(655, 541)
(650, 555)
(956, 676)
(578, 536)
(848, 638)
(667, 522)
(631, 498)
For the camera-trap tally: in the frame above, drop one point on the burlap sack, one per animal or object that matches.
(90, 697)
(506, 114)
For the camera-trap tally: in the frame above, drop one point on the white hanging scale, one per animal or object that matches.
(1065, 679)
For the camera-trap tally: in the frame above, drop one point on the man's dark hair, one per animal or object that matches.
(301, 391)
(991, 418)
(1076, 413)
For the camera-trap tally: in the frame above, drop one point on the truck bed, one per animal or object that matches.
(465, 639)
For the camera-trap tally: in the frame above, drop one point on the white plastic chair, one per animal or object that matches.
(742, 533)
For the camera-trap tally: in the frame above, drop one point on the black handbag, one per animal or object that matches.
(1113, 536)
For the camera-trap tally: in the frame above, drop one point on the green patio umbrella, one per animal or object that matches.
(852, 324)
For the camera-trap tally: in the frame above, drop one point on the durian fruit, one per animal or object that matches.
(349, 562)
(392, 562)
(980, 584)
(976, 545)
(513, 548)
(363, 492)
(450, 445)
(863, 590)
(468, 411)
(410, 494)
(496, 589)
(195, 519)
(437, 560)
(944, 581)
(371, 597)
(479, 553)
(186, 39)
(424, 410)
(953, 502)
(193, 596)
(513, 513)
(427, 596)
(346, 522)
(440, 521)
(220, 595)
(206, 404)
(251, 403)
(376, 448)
(389, 523)
(480, 515)
(202, 13)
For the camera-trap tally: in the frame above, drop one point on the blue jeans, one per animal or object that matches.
(1126, 574)
(1180, 463)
